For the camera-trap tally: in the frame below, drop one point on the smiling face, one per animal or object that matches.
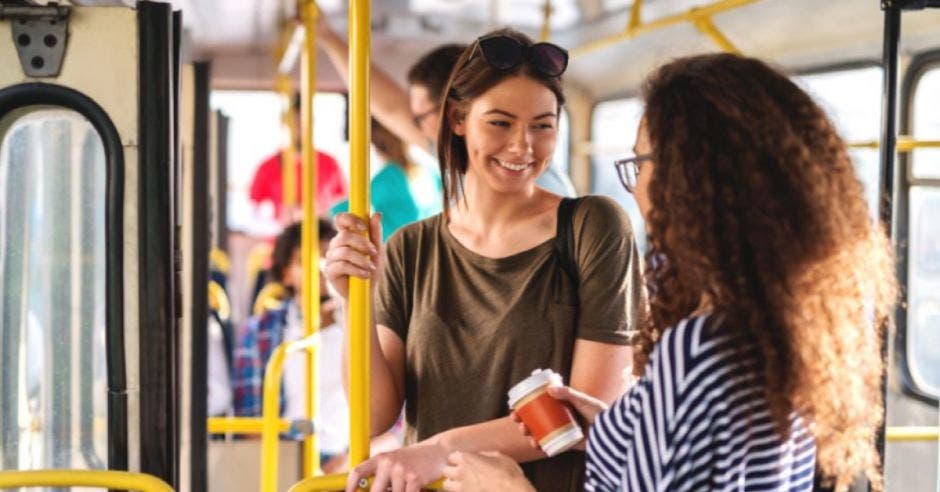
(510, 133)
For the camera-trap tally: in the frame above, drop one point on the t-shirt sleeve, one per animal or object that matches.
(392, 308)
(611, 293)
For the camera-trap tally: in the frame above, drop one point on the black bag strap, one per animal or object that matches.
(564, 238)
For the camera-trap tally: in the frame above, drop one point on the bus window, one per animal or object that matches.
(852, 99)
(52, 290)
(923, 316)
(926, 162)
(256, 132)
(613, 131)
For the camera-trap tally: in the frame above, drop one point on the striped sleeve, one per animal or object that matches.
(698, 419)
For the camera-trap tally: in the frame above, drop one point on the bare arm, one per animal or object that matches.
(388, 100)
(353, 254)
(598, 370)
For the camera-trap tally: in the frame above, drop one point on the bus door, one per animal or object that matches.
(88, 330)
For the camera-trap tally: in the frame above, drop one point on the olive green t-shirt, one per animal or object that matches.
(474, 326)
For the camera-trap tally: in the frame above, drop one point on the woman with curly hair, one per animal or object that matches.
(768, 286)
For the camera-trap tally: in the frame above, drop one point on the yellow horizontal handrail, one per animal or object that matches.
(270, 403)
(337, 481)
(700, 17)
(904, 144)
(241, 425)
(913, 433)
(83, 478)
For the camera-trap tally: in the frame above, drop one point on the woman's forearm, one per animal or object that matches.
(386, 397)
(501, 435)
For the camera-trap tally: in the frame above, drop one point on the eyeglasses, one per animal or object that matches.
(419, 118)
(505, 53)
(629, 170)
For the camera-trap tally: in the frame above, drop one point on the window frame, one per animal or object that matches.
(20, 96)
(920, 65)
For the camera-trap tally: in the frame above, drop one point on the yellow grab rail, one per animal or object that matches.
(912, 433)
(359, 326)
(270, 424)
(904, 144)
(310, 251)
(83, 478)
(338, 482)
(547, 12)
(241, 425)
(700, 17)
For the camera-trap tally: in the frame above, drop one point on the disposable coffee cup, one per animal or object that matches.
(549, 420)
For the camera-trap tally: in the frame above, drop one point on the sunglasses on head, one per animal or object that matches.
(505, 53)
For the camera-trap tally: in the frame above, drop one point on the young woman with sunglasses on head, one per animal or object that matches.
(767, 296)
(471, 301)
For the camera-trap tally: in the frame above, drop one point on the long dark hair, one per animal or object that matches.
(755, 204)
(472, 76)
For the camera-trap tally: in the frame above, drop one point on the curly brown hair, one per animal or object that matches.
(756, 208)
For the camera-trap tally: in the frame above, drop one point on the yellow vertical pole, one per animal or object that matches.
(288, 154)
(546, 31)
(359, 206)
(635, 11)
(310, 241)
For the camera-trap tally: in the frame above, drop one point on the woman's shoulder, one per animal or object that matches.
(415, 234)
(599, 212)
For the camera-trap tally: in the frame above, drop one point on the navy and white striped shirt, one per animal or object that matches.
(698, 420)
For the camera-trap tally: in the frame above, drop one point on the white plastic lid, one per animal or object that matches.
(538, 379)
(563, 441)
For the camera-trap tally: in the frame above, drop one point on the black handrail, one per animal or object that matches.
(32, 94)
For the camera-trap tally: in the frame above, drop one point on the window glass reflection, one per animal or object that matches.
(52, 289)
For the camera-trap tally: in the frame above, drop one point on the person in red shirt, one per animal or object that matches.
(267, 183)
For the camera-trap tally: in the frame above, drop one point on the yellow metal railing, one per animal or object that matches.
(241, 425)
(310, 240)
(83, 478)
(547, 12)
(912, 433)
(338, 482)
(270, 420)
(904, 144)
(288, 154)
(699, 17)
(359, 49)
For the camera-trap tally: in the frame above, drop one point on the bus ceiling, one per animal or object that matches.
(240, 36)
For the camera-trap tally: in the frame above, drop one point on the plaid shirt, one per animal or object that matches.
(260, 337)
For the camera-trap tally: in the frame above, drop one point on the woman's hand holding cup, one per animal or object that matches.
(587, 407)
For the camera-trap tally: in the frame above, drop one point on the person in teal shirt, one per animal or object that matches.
(403, 191)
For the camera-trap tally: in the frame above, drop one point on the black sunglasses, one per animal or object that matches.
(505, 53)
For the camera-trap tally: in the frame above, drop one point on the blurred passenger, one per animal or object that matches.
(267, 183)
(768, 294)
(471, 301)
(265, 332)
(403, 192)
(414, 113)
